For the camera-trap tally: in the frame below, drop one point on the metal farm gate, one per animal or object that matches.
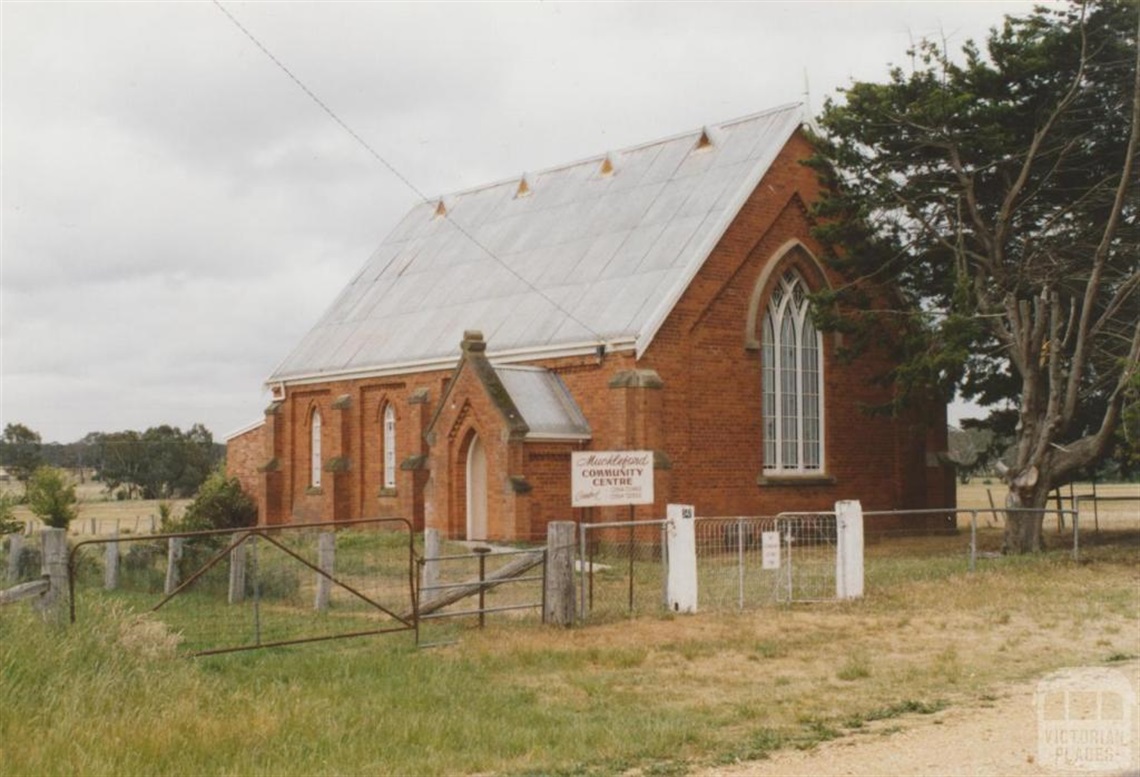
(746, 562)
(229, 590)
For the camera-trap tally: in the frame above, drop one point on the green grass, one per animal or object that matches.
(663, 695)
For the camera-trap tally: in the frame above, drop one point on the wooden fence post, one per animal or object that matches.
(237, 574)
(559, 594)
(430, 577)
(15, 548)
(53, 605)
(326, 560)
(173, 556)
(111, 564)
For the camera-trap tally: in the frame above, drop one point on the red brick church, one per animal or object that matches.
(651, 298)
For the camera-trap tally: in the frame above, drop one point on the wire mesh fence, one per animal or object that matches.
(234, 590)
(807, 561)
(746, 562)
(730, 569)
(621, 569)
(258, 587)
(624, 565)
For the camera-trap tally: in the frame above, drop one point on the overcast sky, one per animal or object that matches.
(177, 212)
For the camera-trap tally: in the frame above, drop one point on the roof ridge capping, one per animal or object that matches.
(714, 133)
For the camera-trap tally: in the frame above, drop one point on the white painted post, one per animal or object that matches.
(681, 580)
(559, 581)
(111, 564)
(15, 548)
(430, 577)
(237, 574)
(326, 560)
(173, 556)
(849, 549)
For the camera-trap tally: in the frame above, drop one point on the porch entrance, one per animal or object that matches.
(476, 490)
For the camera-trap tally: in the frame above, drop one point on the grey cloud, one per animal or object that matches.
(177, 213)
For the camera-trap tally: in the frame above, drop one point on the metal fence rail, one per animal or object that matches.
(913, 532)
(1118, 522)
(502, 574)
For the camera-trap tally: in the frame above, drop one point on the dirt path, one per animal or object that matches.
(991, 738)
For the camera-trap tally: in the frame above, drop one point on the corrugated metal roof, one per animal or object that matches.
(544, 402)
(585, 257)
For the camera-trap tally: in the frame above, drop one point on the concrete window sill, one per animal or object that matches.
(819, 479)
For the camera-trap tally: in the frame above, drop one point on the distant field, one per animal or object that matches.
(130, 516)
(1124, 513)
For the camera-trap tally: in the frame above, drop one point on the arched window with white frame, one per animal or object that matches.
(390, 446)
(315, 449)
(792, 377)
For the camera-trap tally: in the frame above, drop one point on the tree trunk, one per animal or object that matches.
(1023, 531)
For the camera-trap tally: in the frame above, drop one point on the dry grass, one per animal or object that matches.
(974, 496)
(657, 695)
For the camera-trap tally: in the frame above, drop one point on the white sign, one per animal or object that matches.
(605, 478)
(770, 550)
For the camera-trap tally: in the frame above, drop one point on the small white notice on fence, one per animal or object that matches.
(770, 550)
(605, 478)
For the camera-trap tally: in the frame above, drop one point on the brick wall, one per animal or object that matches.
(703, 415)
(244, 456)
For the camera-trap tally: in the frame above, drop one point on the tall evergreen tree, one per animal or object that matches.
(997, 193)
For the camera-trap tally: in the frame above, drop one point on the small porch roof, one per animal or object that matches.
(545, 403)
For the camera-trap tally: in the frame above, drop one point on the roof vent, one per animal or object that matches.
(440, 209)
(607, 166)
(708, 138)
(524, 188)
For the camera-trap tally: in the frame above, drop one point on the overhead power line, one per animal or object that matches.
(392, 169)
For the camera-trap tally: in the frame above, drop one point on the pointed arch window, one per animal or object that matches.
(792, 377)
(315, 449)
(389, 446)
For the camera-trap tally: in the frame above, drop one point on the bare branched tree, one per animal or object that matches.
(997, 193)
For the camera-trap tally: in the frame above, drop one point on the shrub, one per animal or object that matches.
(52, 498)
(221, 504)
(8, 522)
